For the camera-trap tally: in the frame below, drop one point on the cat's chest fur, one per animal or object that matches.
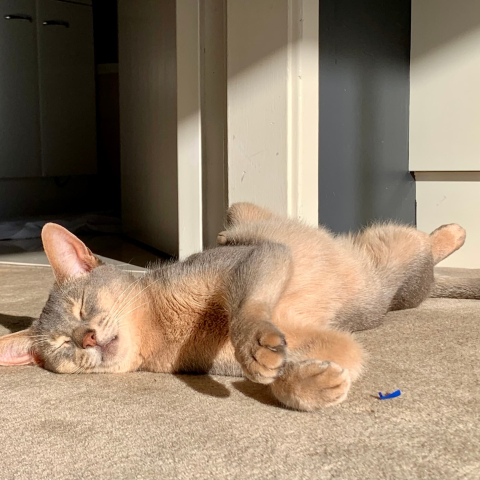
(185, 328)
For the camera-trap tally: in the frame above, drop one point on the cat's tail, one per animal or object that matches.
(456, 287)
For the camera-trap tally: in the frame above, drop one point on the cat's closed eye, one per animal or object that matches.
(62, 342)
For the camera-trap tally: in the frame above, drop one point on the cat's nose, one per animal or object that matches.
(90, 339)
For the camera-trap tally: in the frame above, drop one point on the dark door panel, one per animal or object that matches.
(364, 105)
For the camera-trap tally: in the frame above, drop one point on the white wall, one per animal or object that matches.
(272, 105)
(452, 197)
(445, 119)
(258, 102)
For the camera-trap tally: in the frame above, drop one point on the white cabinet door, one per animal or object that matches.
(67, 88)
(444, 86)
(19, 111)
(148, 121)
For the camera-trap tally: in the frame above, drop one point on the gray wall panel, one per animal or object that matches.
(364, 101)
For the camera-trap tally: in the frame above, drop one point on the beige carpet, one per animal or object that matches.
(151, 426)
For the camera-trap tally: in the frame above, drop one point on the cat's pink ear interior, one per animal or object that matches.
(68, 256)
(16, 349)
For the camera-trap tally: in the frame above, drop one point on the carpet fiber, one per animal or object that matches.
(143, 425)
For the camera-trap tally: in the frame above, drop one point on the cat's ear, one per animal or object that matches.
(68, 256)
(16, 349)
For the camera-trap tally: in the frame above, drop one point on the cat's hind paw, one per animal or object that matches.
(222, 238)
(312, 384)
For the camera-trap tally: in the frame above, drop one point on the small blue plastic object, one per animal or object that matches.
(394, 394)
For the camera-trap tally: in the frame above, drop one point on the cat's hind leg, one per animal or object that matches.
(445, 240)
(320, 369)
(245, 212)
(252, 293)
(404, 258)
(242, 219)
(418, 277)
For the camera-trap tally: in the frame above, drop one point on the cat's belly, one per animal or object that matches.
(202, 357)
(225, 362)
(214, 361)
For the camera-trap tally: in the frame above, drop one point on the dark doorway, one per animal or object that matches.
(364, 108)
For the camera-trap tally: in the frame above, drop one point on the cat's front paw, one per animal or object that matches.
(260, 348)
(312, 384)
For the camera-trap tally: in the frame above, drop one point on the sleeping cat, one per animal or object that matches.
(275, 303)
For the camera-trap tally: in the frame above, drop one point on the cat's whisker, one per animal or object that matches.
(128, 301)
(119, 314)
(119, 324)
(150, 285)
(80, 369)
(39, 338)
(120, 299)
(130, 286)
(124, 304)
(130, 311)
(57, 348)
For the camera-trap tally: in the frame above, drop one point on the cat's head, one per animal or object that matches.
(89, 323)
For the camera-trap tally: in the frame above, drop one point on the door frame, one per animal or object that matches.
(246, 125)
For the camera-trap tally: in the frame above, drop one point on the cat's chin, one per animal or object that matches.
(115, 357)
(110, 350)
